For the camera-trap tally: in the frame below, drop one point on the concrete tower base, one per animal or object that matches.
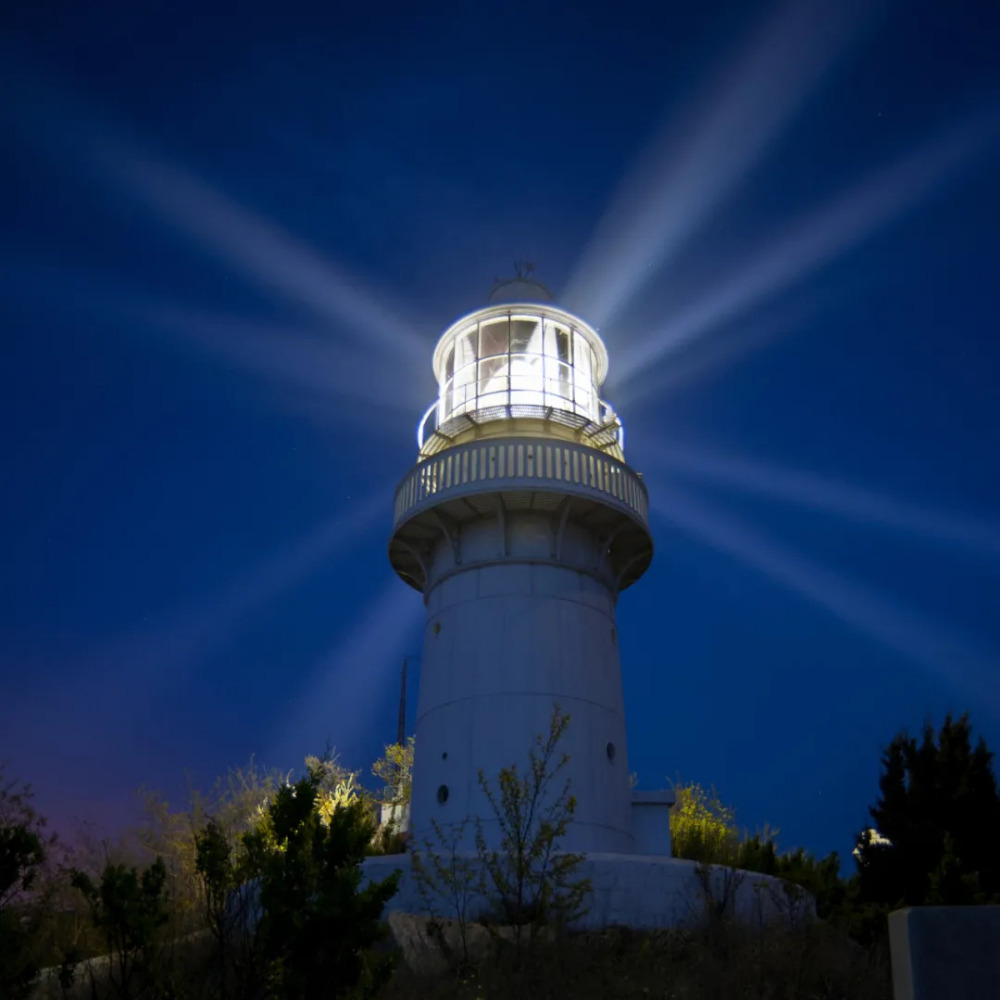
(638, 891)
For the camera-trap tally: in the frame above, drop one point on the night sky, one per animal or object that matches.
(230, 238)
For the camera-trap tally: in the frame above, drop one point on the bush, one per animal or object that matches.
(721, 962)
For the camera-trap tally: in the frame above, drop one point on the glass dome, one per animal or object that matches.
(522, 360)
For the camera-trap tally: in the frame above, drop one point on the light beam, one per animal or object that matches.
(135, 672)
(804, 489)
(708, 357)
(946, 656)
(817, 239)
(260, 249)
(191, 636)
(300, 363)
(343, 693)
(688, 172)
(162, 655)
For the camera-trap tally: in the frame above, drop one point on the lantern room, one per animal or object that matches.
(512, 368)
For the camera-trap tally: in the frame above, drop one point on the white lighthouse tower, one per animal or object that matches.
(521, 524)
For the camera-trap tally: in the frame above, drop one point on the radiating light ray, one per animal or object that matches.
(191, 636)
(945, 655)
(707, 359)
(307, 373)
(259, 248)
(822, 236)
(163, 654)
(812, 491)
(136, 672)
(685, 176)
(69, 128)
(360, 388)
(343, 693)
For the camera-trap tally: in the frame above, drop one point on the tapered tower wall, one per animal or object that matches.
(507, 637)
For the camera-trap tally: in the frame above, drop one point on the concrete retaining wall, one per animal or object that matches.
(636, 891)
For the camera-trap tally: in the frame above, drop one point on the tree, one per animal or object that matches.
(128, 907)
(937, 822)
(534, 882)
(701, 827)
(819, 877)
(234, 803)
(230, 896)
(395, 769)
(24, 848)
(317, 923)
(336, 785)
(448, 879)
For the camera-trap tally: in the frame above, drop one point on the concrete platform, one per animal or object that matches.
(637, 891)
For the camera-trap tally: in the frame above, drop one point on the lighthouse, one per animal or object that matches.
(521, 524)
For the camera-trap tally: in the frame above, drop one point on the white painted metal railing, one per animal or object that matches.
(522, 464)
(507, 406)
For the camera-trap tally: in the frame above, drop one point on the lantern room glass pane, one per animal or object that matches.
(558, 340)
(492, 381)
(465, 346)
(582, 356)
(522, 359)
(584, 394)
(494, 338)
(564, 343)
(525, 336)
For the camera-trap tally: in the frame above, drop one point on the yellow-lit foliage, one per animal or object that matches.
(329, 798)
(235, 802)
(395, 769)
(701, 827)
(344, 793)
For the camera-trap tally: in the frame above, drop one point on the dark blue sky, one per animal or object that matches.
(231, 238)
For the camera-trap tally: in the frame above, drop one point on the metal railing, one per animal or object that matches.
(514, 384)
(522, 464)
(430, 422)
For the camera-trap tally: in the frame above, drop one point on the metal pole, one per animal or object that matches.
(401, 727)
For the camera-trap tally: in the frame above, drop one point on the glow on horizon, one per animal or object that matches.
(692, 168)
(260, 249)
(946, 656)
(808, 490)
(817, 239)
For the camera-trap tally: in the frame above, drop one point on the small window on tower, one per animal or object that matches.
(443, 794)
